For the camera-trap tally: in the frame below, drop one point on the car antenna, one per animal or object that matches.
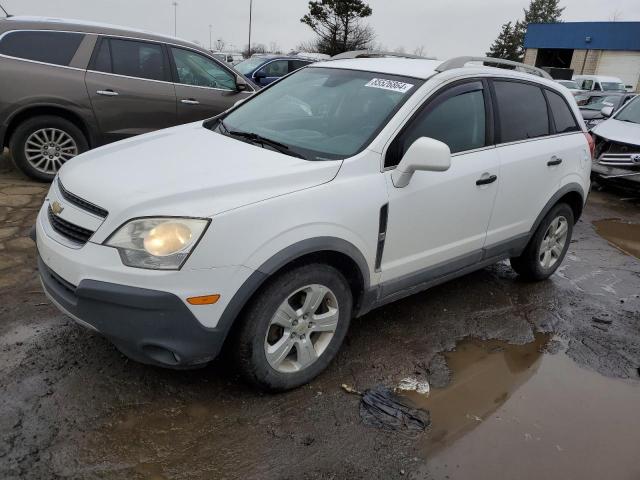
(5, 12)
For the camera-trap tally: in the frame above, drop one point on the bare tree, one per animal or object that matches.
(616, 15)
(420, 51)
(255, 48)
(400, 49)
(274, 47)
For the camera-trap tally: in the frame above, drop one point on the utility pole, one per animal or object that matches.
(250, 11)
(210, 45)
(5, 12)
(175, 19)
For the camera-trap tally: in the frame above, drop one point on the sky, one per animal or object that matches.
(445, 28)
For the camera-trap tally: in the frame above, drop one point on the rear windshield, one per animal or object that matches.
(323, 113)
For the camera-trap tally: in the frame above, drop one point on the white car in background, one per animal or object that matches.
(617, 152)
(270, 226)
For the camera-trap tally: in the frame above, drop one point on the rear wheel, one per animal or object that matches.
(41, 145)
(294, 327)
(548, 246)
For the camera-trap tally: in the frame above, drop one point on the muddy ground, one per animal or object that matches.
(527, 380)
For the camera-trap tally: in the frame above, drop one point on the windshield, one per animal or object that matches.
(612, 87)
(569, 84)
(323, 113)
(631, 113)
(249, 65)
(596, 103)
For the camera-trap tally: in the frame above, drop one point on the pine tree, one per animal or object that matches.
(539, 11)
(505, 46)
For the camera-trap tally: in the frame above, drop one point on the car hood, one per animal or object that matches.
(623, 132)
(187, 170)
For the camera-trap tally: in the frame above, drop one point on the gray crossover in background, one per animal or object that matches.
(67, 86)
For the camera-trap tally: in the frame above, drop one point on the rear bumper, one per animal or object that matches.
(149, 326)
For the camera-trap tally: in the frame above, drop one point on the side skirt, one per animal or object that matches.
(406, 286)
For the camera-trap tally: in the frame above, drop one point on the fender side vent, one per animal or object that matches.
(382, 234)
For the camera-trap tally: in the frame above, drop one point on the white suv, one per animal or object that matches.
(346, 185)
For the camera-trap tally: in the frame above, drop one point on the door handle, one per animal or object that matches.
(487, 181)
(554, 161)
(107, 93)
(190, 101)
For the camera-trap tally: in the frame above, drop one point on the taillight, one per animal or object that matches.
(592, 144)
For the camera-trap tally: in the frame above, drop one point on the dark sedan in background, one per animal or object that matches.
(265, 69)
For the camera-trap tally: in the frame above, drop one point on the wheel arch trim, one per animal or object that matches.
(281, 259)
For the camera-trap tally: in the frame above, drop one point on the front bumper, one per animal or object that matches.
(629, 182)
(149, 326)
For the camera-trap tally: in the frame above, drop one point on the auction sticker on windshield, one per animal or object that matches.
(392, 85)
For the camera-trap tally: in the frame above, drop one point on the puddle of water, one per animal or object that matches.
(514, 412)
(625, 236)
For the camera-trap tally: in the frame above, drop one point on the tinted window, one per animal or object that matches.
(562, 116)
(138, 59)
(296, 64)
(523, 111)
(458, 121)
(102, 59)
(587, 84)
(198, 70)
(50, 47)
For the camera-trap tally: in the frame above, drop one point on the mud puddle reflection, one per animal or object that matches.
(512, 411)
(625, 236)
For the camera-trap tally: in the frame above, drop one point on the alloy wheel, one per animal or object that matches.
(553, 242)
(301, 329)
(48, 149)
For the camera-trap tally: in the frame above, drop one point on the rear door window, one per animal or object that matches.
(131, 58)
(57, 48)
(522, 111)
(562, 115)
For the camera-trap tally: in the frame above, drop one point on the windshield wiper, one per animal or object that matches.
(255, 138)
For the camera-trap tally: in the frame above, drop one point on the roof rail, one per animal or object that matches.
(460, 62)
(375, 54)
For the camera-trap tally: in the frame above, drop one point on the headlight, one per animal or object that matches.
(157, 243)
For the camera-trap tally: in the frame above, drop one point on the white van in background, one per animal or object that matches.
(599, 83)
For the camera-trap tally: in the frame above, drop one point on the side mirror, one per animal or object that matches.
(424, 154)
(259, 75)
(606, 111)
(241, 84)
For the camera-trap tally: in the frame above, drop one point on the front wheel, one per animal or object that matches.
(548, 246)
(294, 327)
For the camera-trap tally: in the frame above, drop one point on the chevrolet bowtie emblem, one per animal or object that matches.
(57, 208)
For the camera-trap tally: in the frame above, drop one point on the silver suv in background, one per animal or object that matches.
(68, 86)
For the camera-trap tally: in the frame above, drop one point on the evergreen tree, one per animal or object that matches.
(505, 45)
(539, 11)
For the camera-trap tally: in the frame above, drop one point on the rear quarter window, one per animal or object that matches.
(57, 48)
(522, 110)
(562, 114)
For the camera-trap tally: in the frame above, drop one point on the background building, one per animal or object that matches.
(588, 48)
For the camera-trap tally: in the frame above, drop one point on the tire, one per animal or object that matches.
(534, 264)
(256, 333)
(51, 141)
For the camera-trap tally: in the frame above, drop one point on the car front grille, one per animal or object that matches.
(616, 154)
(69, 230)
(81, 203)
